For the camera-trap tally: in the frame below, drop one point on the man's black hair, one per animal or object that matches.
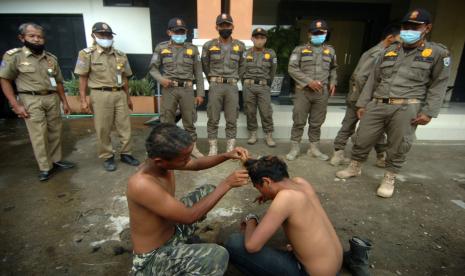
(166, 141)
(266, 166)
(391, 29)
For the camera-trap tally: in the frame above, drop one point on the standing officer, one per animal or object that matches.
(357, 81)
(222, 59)
(105, 71)
(313, 67)
(405, 90)
(39, 82)
(180, 62)
(260, 68)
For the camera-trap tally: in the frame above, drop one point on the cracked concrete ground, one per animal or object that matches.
(77, 223)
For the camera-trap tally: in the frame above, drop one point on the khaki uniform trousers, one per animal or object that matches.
(222, 96)
(111, 109)
(256, 95)
(395, 120)
(44, 126)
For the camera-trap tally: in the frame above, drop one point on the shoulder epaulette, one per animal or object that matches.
(89, 50)
(13, 51)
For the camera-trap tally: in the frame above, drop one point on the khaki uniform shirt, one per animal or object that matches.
(220, 60)
(103, 67)
(260, 64)
(362, 71)
(310, 62)
(420, 73)
(30, 72)
(177, 63)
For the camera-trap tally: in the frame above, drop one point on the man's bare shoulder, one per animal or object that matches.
(143, 184)
(304, 183)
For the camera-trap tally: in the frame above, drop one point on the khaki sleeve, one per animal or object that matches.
(8, 68)
(83, 63)
(242, 62)
(274, 65)
(59, 75)
(205, 59)
(370, 85)
(437, 87)
(198, 74)
(127, 67)
(363, 69)
(155, 64)
(333, 69)
(294, 69)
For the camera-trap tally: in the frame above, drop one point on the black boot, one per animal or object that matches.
(356, 260)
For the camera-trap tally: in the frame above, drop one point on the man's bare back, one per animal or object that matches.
(149, 230)
(310, 232)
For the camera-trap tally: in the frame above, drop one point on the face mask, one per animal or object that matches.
(225, 33)
(105, 43)
(35, 48)
(410, 36)
(318, 39)
(178, 39)
(259, 43)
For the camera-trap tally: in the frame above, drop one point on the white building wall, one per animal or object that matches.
(131, 24)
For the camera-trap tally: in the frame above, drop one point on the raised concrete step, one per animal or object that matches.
(450, 125)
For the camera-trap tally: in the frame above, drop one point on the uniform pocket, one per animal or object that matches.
(26, 69)
(420, 71)
(306, 59)
(188, 60)
(97, 67)
(386, 68)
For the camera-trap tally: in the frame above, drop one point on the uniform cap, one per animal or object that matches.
(224, 17)
(259, 31)
(318, 25)
(102, 27)
(176, 24)
(417, 16)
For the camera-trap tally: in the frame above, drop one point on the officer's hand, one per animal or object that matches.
(332, 90)
(66, 109)
(85, 107)
(165, 83)
(21, 111)
(238, 153)
(237, 179)
(316, 86)
(421, 119)
(198, 100)
(130, 103)
(360, 113)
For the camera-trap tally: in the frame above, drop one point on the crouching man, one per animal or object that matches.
(314, 246)
(160, 224)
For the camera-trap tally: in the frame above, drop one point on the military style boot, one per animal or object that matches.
(386, 189)
(315, 152)
(381, 160)
(338, 158)
(269, 140)
(356, 260)
(213, 147)
(252, 138)
(295, 150)
(354, 169)
(196, 152)
(230, 144)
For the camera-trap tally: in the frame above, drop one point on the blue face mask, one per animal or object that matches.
(179, 39)
(410, 36)
(318, 39)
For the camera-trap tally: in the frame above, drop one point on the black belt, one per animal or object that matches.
(108, 89)
(38, 93)
(256, 81)
(223, 80)
(182, 83)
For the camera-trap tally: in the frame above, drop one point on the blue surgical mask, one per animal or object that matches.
(105, 43)
(410, 36)
(179, 39)
(318, 39)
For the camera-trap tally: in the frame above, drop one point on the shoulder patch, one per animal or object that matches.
(52, 55)
(13, 51)
(89, 50)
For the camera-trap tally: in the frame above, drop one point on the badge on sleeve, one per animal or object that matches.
(293, 57)
(275, 60)
(446, 61)
(154, 58)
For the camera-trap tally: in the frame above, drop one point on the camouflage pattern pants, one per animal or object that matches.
(176, 257)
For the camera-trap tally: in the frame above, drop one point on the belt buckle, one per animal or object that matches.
(114, 89)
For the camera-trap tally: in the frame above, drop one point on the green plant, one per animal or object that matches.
(72, 86)
(283, 40)
(142, 87)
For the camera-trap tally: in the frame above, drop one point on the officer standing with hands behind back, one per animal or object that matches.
(105, 70)
(176, 65)
(260, 68)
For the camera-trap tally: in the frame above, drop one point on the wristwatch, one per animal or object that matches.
(251, 216)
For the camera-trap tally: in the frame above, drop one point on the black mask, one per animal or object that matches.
(225, 33)
(35, 48)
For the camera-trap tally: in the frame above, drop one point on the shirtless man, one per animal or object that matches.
(161, 224)
(314, 246)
